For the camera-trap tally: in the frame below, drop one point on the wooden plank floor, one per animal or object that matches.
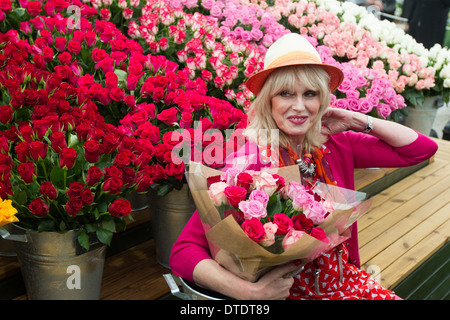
(408, 222)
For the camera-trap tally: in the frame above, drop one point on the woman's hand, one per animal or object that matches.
(274, 285)
(337, 120)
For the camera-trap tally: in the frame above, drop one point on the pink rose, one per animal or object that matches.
(293, 188)
(267, 183)
(302, 199)
(216, 193)
(260, 196)
(252, 209)
(291, 237)
(316, 212)
(270, 229)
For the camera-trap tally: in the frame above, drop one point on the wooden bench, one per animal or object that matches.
(409, 221)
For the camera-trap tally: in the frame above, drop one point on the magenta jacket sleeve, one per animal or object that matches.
(190, 248)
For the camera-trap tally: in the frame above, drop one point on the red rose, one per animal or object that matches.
(111, 80)
(168, 116)
(143, 159)
(110, 143)
(38, 207)
(26, 171)
(283, 222)
(235, 195)
(58, 140)
(75, 189)
(212, 179)
(302, 223)
(113, 172)
(22, 150)
(244, 179)
(124, 158)
(120, 208)
(129, 176)
(38, 150)
(237, 215)
(254, 229)
(93, 176)
(6, 113)
(319, 234)
(48, 190)
(99, 54)
(34, 8)
(175, 170)
(4, 144)
(143, 181)
(158, 94)
(67, 158)
(92, 151)
(86, 196)
(60, 43)
(64, 58)
(117, 94)
(73, 206)
(113, 185)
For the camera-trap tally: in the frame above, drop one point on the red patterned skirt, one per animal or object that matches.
(332, 277)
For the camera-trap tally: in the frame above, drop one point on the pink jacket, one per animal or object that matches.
(348, 150)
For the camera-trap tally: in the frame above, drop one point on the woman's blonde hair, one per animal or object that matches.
(285, 78)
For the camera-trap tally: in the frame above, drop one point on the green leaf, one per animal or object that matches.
(104, 236)
(46, 225)
(274, 205)
(83, 240)
(57, 176)
(109, 224)
(20, 196)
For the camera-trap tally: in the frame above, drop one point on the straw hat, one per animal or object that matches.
(290, 50)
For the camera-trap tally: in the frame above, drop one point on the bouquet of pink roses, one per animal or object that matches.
(259, 219)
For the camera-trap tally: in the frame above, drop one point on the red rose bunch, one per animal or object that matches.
(62, 164)
(270, 212)
(180, 122)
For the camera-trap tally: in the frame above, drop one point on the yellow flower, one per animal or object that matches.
(7, 212)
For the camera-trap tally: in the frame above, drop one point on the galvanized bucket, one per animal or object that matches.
(169, 215)
(138, 201)
(54, 266)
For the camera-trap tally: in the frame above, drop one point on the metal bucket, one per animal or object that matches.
(55, 267)
(6, 246)
(421, 117)
(138, 201)
(170, 214)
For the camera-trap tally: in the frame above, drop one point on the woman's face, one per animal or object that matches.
(295, 112)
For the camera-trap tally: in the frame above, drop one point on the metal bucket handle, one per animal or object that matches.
(13, 237)
(175, 290)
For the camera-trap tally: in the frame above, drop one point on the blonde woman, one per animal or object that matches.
(293, 97)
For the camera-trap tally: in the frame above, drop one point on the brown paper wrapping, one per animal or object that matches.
(233, 249)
